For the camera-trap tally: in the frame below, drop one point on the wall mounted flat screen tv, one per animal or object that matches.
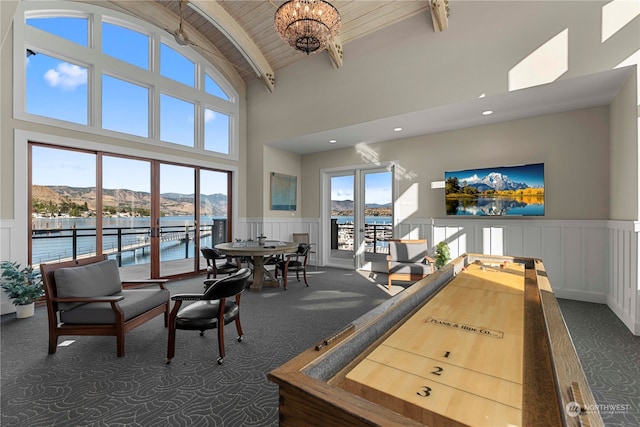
(499, 191)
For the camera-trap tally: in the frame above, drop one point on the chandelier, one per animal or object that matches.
(307, 25)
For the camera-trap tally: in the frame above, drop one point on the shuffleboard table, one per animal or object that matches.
(481, 342)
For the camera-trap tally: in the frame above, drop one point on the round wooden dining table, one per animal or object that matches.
(257, 253)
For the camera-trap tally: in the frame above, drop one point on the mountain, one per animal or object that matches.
(170, 203)
(345, 208)
(493, 181)
(341, 205)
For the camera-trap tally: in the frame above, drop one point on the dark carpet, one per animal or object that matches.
(85, 384)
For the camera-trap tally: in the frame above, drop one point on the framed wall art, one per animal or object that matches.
(283, 192)
(506, 190)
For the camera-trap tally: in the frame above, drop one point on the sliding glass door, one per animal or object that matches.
(151, 216)
(126, 213)
(177, 220)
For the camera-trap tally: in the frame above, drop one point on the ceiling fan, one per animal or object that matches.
(181, 37)
(179, 34)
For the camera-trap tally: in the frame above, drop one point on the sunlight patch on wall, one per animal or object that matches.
(544, 65)
(368, 154)
(633, 59)
(455, 237)
(616, 14)
(407, 203)
(492, 241)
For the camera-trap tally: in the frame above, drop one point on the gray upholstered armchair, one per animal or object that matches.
(408, 260)
(87, 297)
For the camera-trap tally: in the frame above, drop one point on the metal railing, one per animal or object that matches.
(376, 237)
(61, 244)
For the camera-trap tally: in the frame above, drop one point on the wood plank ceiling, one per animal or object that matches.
(243, 33)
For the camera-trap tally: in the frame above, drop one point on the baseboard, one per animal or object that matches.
(629, 322)
(577, 295)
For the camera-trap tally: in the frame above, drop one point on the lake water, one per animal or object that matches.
(485, 206)
(53, 239)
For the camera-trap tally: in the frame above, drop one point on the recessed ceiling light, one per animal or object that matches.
(397, 129)
(332, 141)
(487, 112)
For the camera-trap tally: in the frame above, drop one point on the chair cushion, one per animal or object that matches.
(407, 252)
(135, 302)
(91, 280)
(203, 315)
(409, 268)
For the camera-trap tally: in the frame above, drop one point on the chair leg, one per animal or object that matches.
(53, 343)
(120, 343)
(221, 342)
(304, 274)
(239, 328)
(167, 310)
(171, 344)
(285, 273)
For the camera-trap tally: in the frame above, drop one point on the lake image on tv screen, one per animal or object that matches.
(500, 191)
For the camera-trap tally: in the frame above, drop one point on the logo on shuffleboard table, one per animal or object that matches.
(480, 330)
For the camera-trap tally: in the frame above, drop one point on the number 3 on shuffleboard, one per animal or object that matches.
(425, 392)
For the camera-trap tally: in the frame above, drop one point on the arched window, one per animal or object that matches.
(96, 70)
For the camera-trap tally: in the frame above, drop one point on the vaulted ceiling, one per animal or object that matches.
(241, 37)
(242, 33)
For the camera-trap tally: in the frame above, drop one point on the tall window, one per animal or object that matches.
(74, 216)
(105, 72)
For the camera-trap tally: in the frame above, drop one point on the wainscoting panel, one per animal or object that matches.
(9, 251)
(593, 261)
(623, 294)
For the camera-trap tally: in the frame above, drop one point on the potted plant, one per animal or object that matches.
(261, 239)
(23, 287)
(442, 254)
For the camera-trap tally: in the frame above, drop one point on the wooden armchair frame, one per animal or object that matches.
(118, 329)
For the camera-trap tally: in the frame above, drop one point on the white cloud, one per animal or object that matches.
(209, 115)
(342, 194)
(66, 76)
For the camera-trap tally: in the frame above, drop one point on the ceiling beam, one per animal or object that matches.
(334, 49)
(219, 17)
(440, 14)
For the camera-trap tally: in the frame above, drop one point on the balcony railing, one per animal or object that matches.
(61, 244)
(376, 237)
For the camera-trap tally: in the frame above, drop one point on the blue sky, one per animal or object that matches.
(59, 88)
(532, 174)
(63, 167)
(377, 188)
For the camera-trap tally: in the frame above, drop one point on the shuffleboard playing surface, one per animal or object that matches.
(459, 356)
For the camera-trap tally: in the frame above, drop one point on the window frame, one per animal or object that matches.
(99, 63)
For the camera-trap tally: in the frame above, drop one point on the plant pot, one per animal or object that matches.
(261, 240)
(26, 310)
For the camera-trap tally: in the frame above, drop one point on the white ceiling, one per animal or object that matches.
(564, 95)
